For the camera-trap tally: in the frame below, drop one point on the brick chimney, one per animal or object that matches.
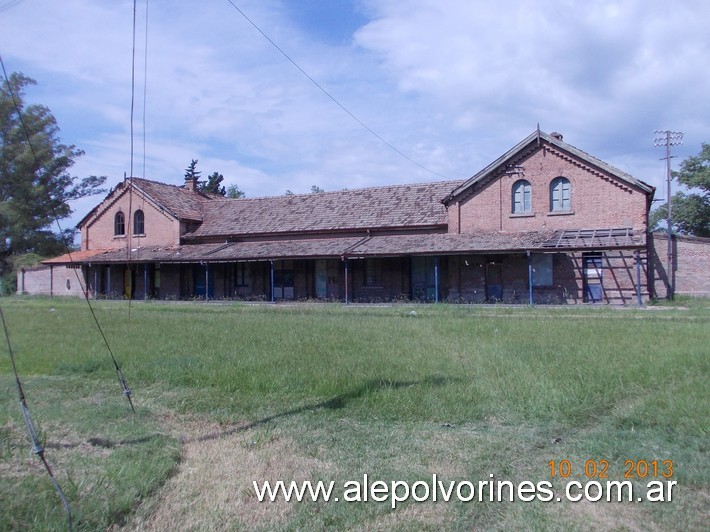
(191, 183)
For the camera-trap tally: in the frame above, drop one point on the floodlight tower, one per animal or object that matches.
(668, 138)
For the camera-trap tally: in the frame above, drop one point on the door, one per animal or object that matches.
(321, 280)
(106, 280)
(204, 281)
(494, 281)
(332, 273)
(423, 278)
(593, 278)
(283, 280)
(128, 282)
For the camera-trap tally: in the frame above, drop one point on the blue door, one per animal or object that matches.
(423, 278)
(593, 278)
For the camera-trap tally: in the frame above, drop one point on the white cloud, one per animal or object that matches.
(451, 84)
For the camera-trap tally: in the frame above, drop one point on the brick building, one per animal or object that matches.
(545, 222)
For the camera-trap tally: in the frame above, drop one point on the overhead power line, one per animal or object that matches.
(37, 447)
(331, 97)
(121, 379)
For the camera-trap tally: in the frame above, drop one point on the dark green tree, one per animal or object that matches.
(315, 189)
(35, 183)
(213, 184)
(690, 212)
(191, 171)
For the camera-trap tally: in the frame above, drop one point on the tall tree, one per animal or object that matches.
(213, 184)
(191, 171)
(690, 212)
(35, 183)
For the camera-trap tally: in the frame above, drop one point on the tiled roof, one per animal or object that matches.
(263, 250)
(496, 242)
(449, 243)
(412, 206)
(78, 256)
(181, 202)
(372, 246)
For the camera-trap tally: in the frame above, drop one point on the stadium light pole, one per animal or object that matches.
(668, 138)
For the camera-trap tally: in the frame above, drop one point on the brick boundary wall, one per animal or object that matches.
(50, 281)
(691, 265)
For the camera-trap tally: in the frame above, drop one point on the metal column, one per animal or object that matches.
(436, 279)
(207, 281)
(272, 281)
(346, 281)
(530, 277)
(637, 256)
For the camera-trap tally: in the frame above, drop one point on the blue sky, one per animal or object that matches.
(452, 84)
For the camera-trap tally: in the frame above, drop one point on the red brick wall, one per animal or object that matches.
(161, 229)
(467, 279)
(51, 280)
(597, 200)
(691, 265)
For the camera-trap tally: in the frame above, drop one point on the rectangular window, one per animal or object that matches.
(542, 269)
(522, 197)
(560, 194)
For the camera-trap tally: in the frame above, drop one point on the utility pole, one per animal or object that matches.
(668, 139)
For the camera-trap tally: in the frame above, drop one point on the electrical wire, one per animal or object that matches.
(129, 220)
(331, 97)
(10, 4)
(121, 378)
(37, 447)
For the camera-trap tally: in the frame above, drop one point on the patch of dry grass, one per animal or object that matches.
(213, 487)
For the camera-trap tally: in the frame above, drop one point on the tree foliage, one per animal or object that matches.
(690, 212)
(315, 189)
(213, 184)
(233, 191)
(35, 183)
(695, 171)
(191, 171)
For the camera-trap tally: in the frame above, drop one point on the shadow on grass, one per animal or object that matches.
(334, 403)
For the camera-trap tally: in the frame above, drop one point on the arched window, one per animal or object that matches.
(560, 194)
(522, 197)
(119, 224)
(138, 223)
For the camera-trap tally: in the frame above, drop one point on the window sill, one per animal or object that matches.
(139, 235)
(119, 236)
(522, 215)
(560, 213)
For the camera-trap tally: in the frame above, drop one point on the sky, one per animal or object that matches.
(417, 90)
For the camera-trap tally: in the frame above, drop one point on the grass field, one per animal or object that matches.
(227, 394)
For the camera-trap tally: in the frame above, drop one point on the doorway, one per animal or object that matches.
(494, 281)
(593, 278)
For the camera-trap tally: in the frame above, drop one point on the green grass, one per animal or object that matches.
(461, 391)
